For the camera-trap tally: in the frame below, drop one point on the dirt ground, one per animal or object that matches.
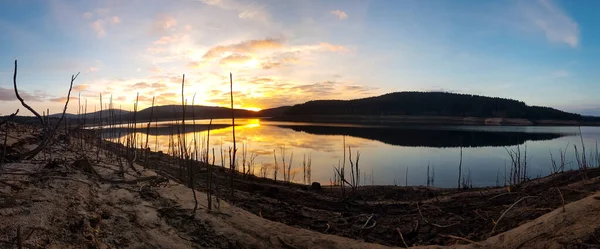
(425, 216)
(72, 196)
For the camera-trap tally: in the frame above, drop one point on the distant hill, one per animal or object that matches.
(432, 104)
(397, 107)
(162, 113)
(274, 112)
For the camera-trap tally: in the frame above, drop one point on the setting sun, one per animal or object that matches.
(253, 63)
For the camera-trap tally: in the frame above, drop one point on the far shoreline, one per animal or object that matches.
(382, 120)
(427, 120)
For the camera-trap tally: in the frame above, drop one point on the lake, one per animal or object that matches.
(386, 153)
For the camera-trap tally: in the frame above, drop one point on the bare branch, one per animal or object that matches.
(506, 211)
(23, 101)
(10, 117)
(29, 155)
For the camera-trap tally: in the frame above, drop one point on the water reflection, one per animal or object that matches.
(431, 137)
(386, 152)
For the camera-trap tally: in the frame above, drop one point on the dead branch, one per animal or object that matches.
(562, 198)
(402, 237)
(458, 238)
(506, 211)
(366, 223)
(10, 117)
(433, 224)
(134, 181)
(503, 194)
(30, 154)
(286, 243)
(23, 101)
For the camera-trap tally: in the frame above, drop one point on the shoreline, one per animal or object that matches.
(385, 120)
(428, 120)
(135, 210)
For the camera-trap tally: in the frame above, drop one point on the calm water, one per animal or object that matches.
(386, 152)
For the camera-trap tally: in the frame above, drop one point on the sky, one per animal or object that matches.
(542, 52)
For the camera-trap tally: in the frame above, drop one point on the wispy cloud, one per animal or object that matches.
(243, 47)
(80, 88)
(339, 14)
(163, 23)
(8, 94)
(92, 69)
(115, 20)
(245, 11)
(235, 58)
(98, 27)
(63, 99)
(555, 23)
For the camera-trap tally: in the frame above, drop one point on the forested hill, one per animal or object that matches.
(431, 104)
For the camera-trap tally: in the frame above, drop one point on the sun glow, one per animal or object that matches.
(252, 123)
(253, 63)
(256, 109)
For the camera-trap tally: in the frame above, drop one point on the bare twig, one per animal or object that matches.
(562, 198)
(366, 223)
(285, 243)
(502, 194)
(9, 117)
(232, 156)
(458, 238)
(433, 224)
(402, 237)
(506, 211)
(31, 154)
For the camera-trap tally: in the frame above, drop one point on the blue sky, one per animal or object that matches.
(543, 52)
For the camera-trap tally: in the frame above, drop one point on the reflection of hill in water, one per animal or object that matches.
(161, 130)
(430, 138)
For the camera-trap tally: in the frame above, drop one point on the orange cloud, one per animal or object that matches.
(63, 99)
(243, 47)
(278, 62)
(80, 88)
(235, 59)
(167, 40)
(333, 48)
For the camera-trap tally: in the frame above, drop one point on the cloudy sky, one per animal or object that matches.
(544, 52)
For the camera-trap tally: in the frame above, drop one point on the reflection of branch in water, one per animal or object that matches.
(430, 138)
(163, 130)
